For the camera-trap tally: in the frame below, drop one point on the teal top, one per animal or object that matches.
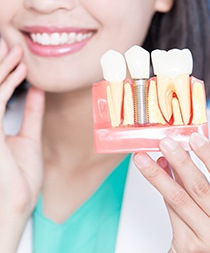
(92, 228)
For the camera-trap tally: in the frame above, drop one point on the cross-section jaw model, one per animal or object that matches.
(135, 114)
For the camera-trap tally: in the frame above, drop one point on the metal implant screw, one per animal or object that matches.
(141, 101)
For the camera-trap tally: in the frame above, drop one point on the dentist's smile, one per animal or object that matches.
(52, 41)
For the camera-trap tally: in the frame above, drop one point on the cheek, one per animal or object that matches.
(122, 23)
(7, 11)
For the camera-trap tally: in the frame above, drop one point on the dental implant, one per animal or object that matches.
(140, 88)
(138, 61)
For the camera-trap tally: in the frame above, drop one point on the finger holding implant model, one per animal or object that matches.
(170, 104)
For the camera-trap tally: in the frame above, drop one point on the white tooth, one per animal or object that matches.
(89, 34)
(64, 38)
(172, 63)
(114, 70)
(79, 37)
(45, 39)
(138, 60)
(198, 103)
(72, 37)
(39, 38)
(55, 39)
(113, 66)
(34, 37)
(173, 69)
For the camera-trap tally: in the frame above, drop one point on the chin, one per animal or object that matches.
(56, 84)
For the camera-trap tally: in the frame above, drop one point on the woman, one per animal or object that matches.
(57, 46)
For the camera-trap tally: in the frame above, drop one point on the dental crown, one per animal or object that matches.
(113, 66)
(172, 63)
(138, 60)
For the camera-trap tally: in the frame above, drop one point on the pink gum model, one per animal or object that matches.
(126, 139)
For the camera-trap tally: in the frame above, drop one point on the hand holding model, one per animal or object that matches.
(20, 157)
(184, 187)
(185, 190)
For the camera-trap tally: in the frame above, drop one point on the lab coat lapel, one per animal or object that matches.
(144, 224)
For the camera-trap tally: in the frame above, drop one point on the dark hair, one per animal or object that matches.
(187, 25)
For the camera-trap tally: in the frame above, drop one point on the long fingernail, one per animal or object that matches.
(141, 160)
(168, 144)
(197, 140)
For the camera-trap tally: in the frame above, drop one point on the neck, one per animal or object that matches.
(68, 125)
(68, 130)
(69, 158)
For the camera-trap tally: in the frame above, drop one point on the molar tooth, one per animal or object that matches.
(177, 113)
(173, 69)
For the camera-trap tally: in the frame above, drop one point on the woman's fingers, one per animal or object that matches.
(3, 48)
(33, 114)
(10, 62)
(201, 146)
(12, 73)
(182, 203)
(192, 179)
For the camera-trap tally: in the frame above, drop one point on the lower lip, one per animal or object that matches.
(55, 51)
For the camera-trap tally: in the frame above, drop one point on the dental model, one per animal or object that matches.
(135, 114)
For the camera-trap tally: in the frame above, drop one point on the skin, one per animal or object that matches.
(55, 154)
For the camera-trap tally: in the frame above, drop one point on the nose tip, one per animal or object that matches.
(48, 6)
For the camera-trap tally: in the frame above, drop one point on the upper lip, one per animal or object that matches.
(55, 29)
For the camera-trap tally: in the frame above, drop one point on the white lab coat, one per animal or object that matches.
(144, 224)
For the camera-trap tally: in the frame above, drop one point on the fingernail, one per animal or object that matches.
(141, 160)
(197, 140)
(168, 144)
(162, 162)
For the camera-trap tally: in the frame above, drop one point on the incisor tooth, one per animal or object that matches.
(128, 109)
(114, 70)
(155, 115)
(198, 104)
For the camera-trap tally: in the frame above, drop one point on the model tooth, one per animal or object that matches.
(173, 69)
(113, 66)
(172, 63)
(176, 112)
(114, 70)
(128, 111)
(155, 115)
(198, 104)
(112, 112)
(138, 60)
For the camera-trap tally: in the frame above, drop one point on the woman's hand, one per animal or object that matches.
(186, 193)
(20, 155)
